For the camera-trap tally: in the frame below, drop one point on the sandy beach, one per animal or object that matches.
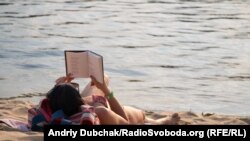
(17, 109)
(185, 56)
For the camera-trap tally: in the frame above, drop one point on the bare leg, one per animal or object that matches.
(173, 120)
(135, 116)
(108, 117)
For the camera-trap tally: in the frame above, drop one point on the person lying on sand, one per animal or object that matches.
(65, 98)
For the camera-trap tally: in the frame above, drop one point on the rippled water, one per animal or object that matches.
(172, 55)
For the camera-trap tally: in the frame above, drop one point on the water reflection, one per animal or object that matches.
(190, 54)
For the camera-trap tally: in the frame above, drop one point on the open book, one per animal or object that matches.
(84, 63)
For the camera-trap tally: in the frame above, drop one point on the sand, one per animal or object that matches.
(17, 109)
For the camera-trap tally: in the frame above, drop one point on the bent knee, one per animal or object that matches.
(136, 116)
(101, 111)
(107, 116)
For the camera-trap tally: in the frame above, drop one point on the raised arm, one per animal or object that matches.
(113, 102)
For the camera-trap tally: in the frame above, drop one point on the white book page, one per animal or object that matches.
(77, 64)
(96, 67)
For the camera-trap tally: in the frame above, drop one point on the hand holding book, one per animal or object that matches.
(68, 78)
(83, 64)
(101, 86)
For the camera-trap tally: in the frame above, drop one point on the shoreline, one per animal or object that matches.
(36, 97)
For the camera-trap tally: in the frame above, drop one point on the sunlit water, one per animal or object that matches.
(166, 55)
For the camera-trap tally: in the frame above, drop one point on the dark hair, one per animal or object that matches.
(65, 97)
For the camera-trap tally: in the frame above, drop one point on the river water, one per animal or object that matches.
(162, 55)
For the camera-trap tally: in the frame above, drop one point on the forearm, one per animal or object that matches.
(113, 102)
(117, 107)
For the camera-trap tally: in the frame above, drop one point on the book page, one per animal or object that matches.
(96, 66)
(77, 63)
